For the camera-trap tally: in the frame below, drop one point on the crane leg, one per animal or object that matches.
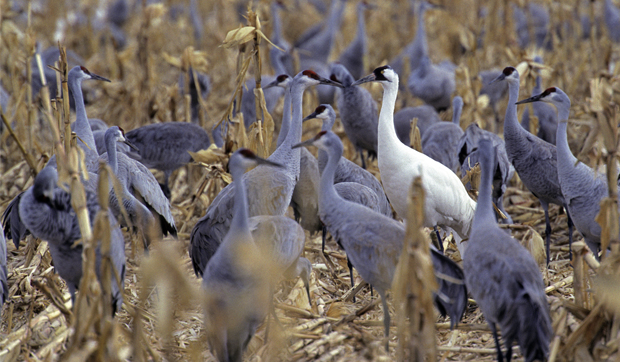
(324, 236)
(351, 275)
(386, 318)
(362, 157)
(570, 232)
(439, 241)
(545, 207)
(500, 357)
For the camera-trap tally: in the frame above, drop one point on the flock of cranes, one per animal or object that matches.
(245, 243)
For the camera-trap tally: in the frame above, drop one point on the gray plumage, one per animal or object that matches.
(348, 171)
(248, 103)
(4, 286)
(582, 187)
(353, 56)
(141, 194)
(283, 240)
(612, 21)
(536, 18)
(547, 118)
(236, 282)
(166, 146)
(96, 124)
(417, 48)
(14, 228)
(358, 113)
(48, 57)
(317, 45)
(269, 190)
(504, 278)
(47, 212)
(469, 155)
(426, 115)
(441, 139)
(281, 60)
(432, 83)
(534, 159)
(372, 241)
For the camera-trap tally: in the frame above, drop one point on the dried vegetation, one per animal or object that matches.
(161, 318)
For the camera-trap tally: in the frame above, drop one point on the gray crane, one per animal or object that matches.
(504, 278)
(448, 204)
(426, 115)
(48, 57)
(348, 171)
(317, 42)
(305, 199)
(47, 212)
(373, 242)
(431, 83)
(236, 281)
(4, 286)
(283, 240)
(279, 59)
(358, 113)
(82, 129)
(547, 118)
(418, 46)
(469, 155)
(269, 190)
(434, 84)
(582, 187)
(612, 21)
(441, 139)
(165, 146)
(141, 196)
(535, 160)
(353, 56)
(535, 17)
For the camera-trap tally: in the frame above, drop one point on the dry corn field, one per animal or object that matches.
(162, 316)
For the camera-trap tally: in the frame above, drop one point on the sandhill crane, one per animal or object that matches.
(46, 211)
(534, 159)
(141, 194)
(353, 56)
(441, 139)
(426, 116)
(547, 118)
(236, 280)
(358, 113)
(504, 278)
(270, 190)
(582, 188)
(373, 242)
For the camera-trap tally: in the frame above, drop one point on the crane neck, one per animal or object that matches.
(328, 124)
(538, 87)
(420, 47)
(82, 127)
(387, 132)
(286, 117)
(285, 154)
(485, 213)
(240, 223)
(511, 124)
(335, 18)
(110, 145)
(276, 37)
(456, 114)
(360, 36)
(565, 156)
(328, 194)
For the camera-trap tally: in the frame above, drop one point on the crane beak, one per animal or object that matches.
(531, 99)
(369, 78)
(272, 84)
(98, 77)
(262, 161)
(499, 78)
(125, 141)
(310, 116)
(330, 82)
(309, 142)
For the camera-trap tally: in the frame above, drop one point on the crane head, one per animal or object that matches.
(381, 74)
(44, 185)
(245, 159)
(282, 81)
(509, 73)
(86, 74)
(553, 95)
(310, 78)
